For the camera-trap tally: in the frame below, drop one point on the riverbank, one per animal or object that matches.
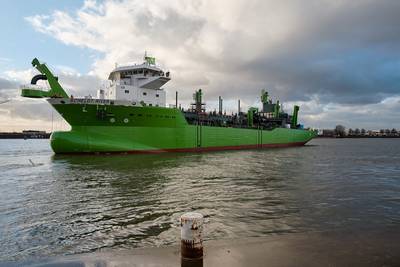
(298, 249)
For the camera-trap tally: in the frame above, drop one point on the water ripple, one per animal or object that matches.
(75, 204)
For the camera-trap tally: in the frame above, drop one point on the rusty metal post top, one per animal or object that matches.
(191, 216)
(191, 235)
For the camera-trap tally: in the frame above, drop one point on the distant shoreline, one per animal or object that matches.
(357, 137)
(25, 135)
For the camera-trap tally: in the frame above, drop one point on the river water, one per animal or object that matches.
(57, 205)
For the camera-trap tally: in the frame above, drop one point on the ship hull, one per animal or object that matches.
(123, 128)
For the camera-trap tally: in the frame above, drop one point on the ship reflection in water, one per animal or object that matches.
(83, 203)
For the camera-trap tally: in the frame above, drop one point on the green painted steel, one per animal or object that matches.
(276, 109)
(117, 128)
(34, 93)
(294, 116)
(250, 116)
(102, 126)
(56, 89)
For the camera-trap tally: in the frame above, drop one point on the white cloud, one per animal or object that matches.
(323, 54)
(20, 76)
(187, 35)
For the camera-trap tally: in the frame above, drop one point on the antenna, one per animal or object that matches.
(176, 99)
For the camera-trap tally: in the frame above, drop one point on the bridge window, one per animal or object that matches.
(157, 95)
(124, 74)
(126, 91)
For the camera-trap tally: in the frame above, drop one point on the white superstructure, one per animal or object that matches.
(140, 83)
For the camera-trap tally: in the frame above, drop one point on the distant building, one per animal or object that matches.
(328, 133)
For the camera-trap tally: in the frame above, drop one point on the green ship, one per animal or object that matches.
(131, 116)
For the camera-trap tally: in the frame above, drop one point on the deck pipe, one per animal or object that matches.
(220, 105)
(198, 100)
(277, 109)
(294, 116)
(264, 99)
(250, 116)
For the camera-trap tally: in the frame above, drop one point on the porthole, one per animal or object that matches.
(112, 120)
(126, 120)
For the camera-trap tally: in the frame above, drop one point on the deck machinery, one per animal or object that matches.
(271, 115)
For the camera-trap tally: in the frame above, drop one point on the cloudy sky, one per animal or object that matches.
(339, 60)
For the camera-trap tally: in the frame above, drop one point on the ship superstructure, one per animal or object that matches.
(130, 115)
(139, 83)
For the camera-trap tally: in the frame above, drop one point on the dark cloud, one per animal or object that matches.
(346, 54)
(7, 84)
(8, 89)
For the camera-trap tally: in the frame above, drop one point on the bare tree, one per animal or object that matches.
(340, 131)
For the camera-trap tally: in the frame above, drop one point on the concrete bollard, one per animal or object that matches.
(191, 235)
